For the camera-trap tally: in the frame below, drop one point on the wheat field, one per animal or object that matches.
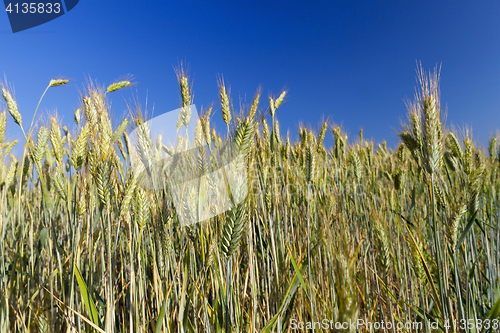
(355, 233)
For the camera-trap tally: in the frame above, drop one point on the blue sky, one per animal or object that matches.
(350, 61)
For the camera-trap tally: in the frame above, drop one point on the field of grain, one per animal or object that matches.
(359, 231)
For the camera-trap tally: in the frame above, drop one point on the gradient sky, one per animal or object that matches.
(350, 61)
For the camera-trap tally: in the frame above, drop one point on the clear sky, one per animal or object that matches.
(350, 61)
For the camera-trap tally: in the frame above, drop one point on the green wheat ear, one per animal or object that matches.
(311, 165)
(9, 177)
(60, 183)
(129, 192)
(57, 82)
(12, 106)
(234, 229)
(39, 150)
(119, 131)
(493, 149)
(382, 242)
(79, 148)
(358, 169)
(56, 140)
(255, 104)
(322, 134)
(454, 146)
(454, 224)
(224, 102)
(236, 221)
(142, 206)
(118, 85)
(3, 125)
(280, 99)
(78, 113)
